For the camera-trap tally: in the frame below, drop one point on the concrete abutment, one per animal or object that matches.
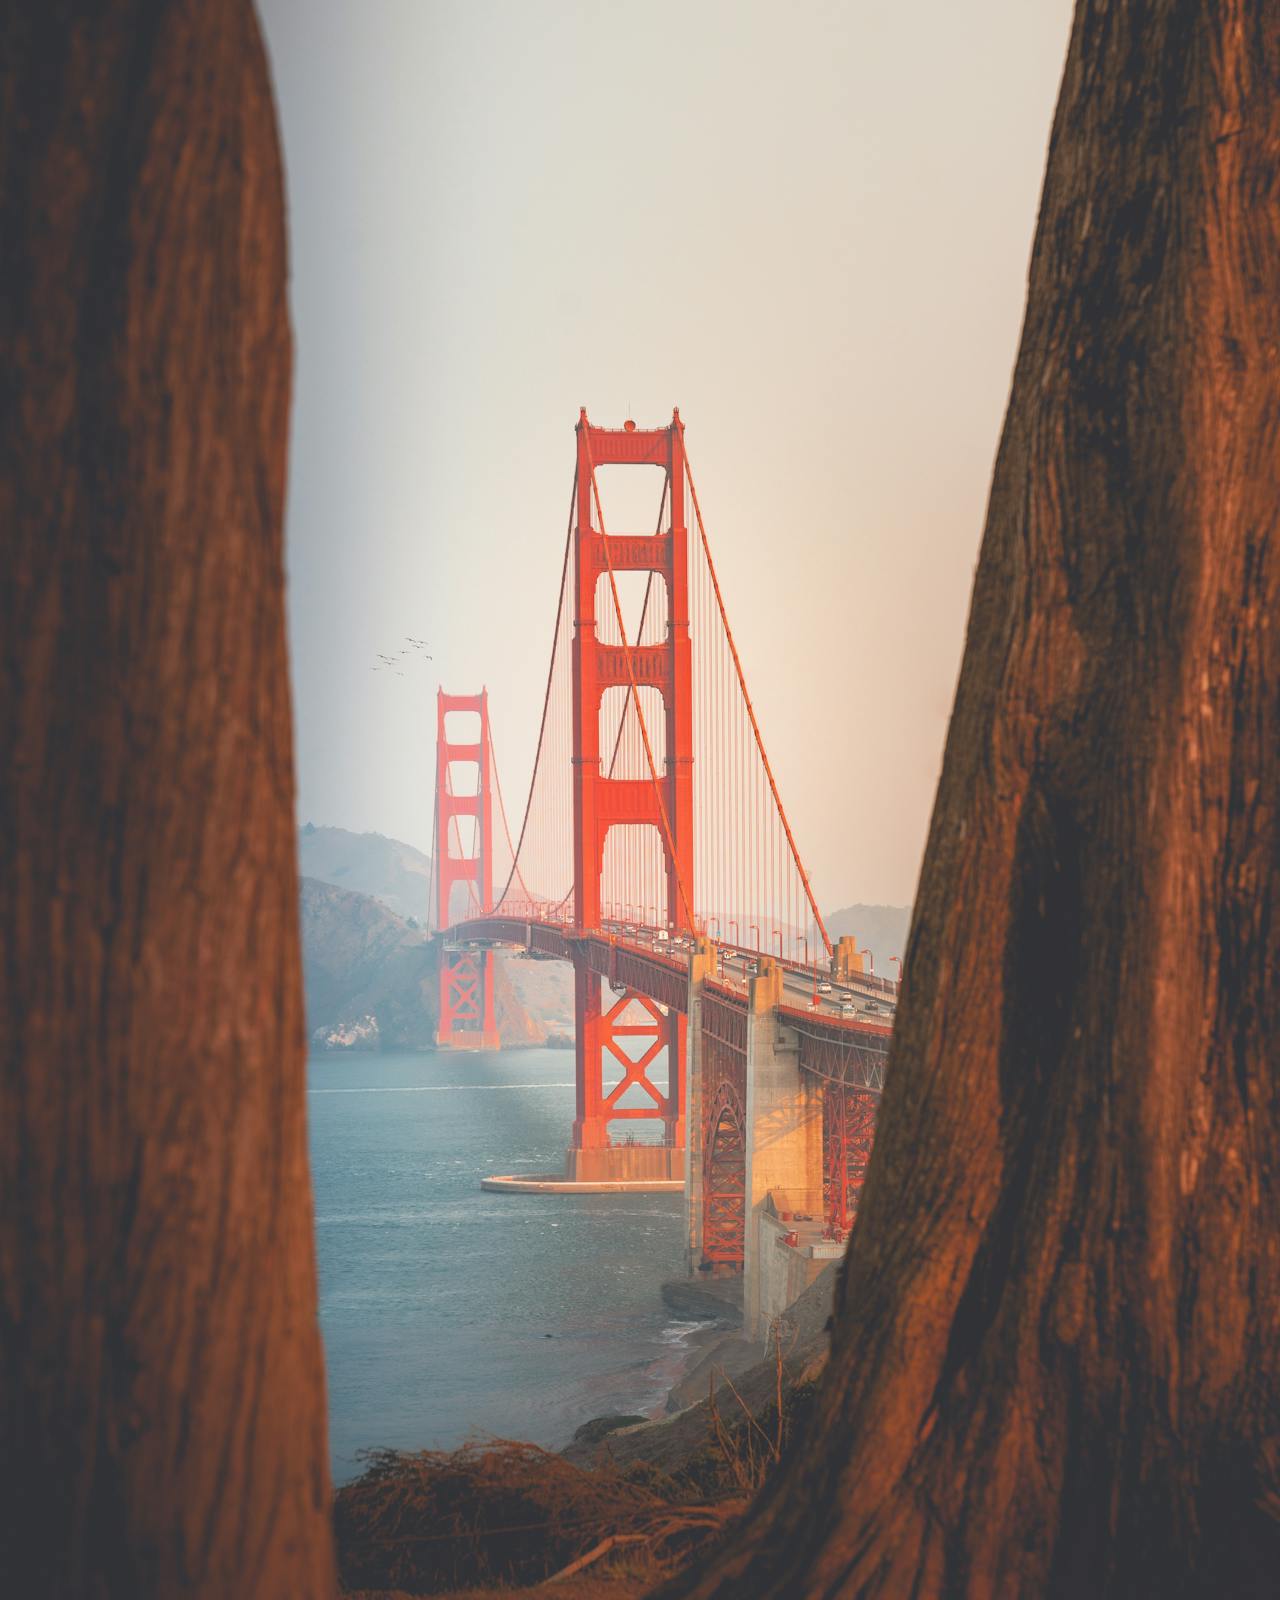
(784, 1152)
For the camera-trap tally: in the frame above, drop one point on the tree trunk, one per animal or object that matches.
(162, 1427)
(1056, 1357)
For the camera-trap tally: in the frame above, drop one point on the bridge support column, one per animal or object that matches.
(630, 1035)
(589, 1131)
(463, 858)
(702, 966)
(848, 961)
(784, 1144)
(467, 1016)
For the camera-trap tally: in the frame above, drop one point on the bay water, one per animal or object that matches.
(450, 1313)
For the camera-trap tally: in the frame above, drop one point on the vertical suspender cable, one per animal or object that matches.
(755, 727)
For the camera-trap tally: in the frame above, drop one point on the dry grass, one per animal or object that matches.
(508, 1514)
(490, 1519)
(614, 1585)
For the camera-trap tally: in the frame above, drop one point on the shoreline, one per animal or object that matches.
(702, 1323)
(745, 1378)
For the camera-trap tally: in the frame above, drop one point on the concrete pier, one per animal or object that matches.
(615, 1169)
(633, 1164)
(550, 1183)
(783, 1139)
(791, 1255)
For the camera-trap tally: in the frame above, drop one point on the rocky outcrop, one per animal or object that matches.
(601, 1427)
(351, 945)
(705, 1299)
(362, 1034)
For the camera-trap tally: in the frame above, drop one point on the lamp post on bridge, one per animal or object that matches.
(805, 937)
(777, 933)
(752, 928)
(733, 931)
(898, 959)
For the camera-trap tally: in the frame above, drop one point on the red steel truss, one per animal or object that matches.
(636, 1017)
(467, 1019)
(724, 1194)
(724, 1099)
(661, 801)
(848, 1128)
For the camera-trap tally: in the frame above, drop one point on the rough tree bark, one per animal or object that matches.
(162, 1426)
(1056, 1357)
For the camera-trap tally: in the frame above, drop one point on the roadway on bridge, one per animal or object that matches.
(859, 999)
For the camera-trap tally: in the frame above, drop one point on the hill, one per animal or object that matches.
(369, 863)
(881, 929)
(372, 981)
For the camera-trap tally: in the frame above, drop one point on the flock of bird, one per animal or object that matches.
(414, 649)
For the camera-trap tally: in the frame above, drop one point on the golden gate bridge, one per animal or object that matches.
(654, 855)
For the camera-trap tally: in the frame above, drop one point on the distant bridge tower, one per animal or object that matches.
(633, 1032)
(464, 856)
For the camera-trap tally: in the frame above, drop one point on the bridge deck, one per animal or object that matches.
(844, 1035)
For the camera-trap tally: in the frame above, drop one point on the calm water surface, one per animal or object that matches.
(436, 1299)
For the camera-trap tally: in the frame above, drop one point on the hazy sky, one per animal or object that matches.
(807, 225)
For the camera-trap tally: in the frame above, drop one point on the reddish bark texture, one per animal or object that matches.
(1056, 1361)
(162, 1426)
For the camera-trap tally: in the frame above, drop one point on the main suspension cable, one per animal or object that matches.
(506, 826)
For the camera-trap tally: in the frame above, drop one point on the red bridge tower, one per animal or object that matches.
(464, 855)
(602, 802)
